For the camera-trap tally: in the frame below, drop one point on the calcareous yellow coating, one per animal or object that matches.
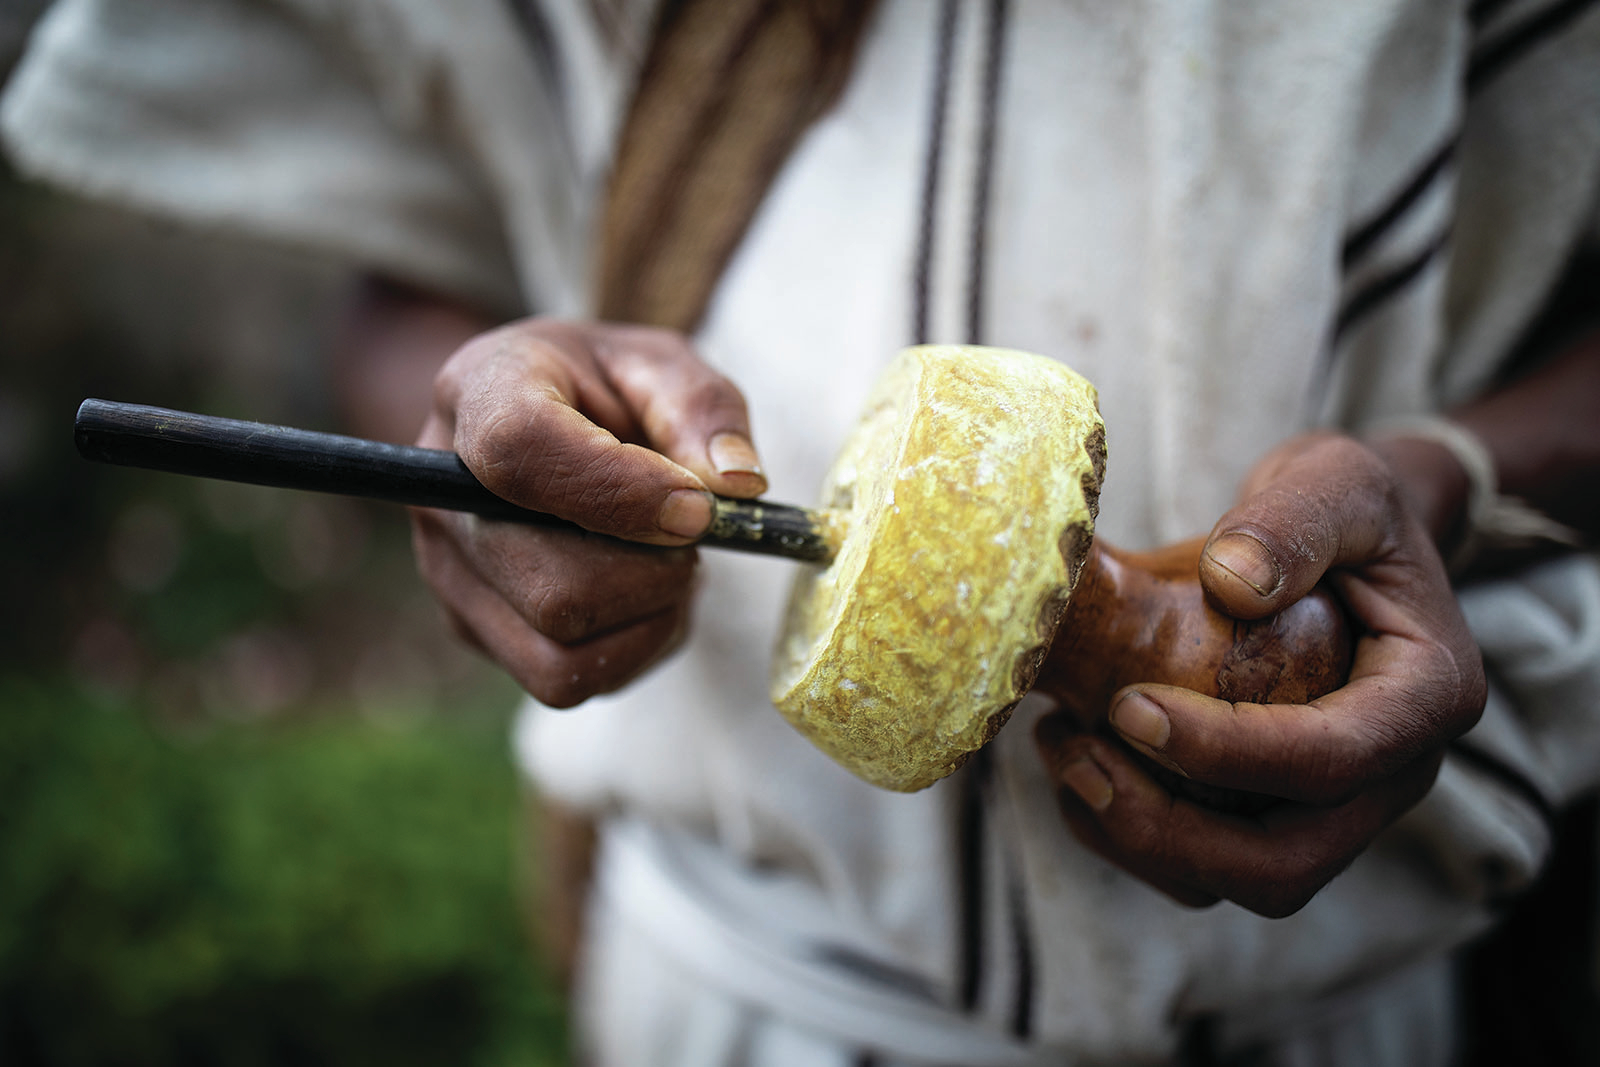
(968, 495)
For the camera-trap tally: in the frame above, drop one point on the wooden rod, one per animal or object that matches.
(181, 442)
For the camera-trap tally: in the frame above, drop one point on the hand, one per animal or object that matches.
(1347, 764)
(620, 429)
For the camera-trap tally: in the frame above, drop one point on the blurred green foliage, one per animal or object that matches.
(256, 806)
(317, 890)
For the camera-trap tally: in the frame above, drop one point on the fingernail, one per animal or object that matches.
(1137, 718)
(1248, 560)
(687, 513)
(1085, 778)
(732, 454)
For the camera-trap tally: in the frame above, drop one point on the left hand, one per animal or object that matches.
(1347, 765)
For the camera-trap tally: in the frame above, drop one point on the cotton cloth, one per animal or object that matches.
(1202, 207)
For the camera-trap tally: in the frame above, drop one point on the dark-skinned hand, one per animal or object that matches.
(620, 429)
(1319, 508)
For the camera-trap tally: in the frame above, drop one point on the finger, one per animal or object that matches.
(1321, 502)
(559, 675)
(572, 587)
(1415, 683)
(1322, 753)
(1406, 697)
(688, 411)
(1082, 790)
(517, 426)
(1272, 863)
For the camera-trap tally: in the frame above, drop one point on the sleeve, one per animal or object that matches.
(1487, 825)
(234, 115)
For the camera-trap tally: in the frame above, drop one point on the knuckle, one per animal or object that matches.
(556, 678)
(1355, 457)
(632, 349)
(1285, 885)
(561, 336)
(716, 397)
(659, 342)
(1198, 899)
(1280, 900)
(454, 372)
(557, 611)
(1343, 463)
(494, 446)
(567, 689)
(550, 330)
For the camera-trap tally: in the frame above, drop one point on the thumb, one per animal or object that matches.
(531, 413)
(1318, 502)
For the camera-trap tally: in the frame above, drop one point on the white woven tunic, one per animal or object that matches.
(1240, 220)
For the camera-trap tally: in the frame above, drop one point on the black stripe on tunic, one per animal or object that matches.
(970, 856)
(978, 246)
(1022, 945)
(922, 279)
(1508, 776)
(1369, 233)
(1386, 286)
(541, 41)
(1483, 11)
(1492, 60)
(1487, 63)
(1515, 782)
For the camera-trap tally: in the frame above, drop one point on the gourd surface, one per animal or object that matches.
(967, 498)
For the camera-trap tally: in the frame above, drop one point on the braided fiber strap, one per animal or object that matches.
(1493, 520)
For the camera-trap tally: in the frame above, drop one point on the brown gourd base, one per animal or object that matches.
(1144, 618)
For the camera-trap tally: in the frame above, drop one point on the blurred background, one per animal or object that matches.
(256, 805)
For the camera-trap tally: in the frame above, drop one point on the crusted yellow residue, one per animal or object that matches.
(970, 470)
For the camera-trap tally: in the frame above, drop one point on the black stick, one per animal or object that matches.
(181, 442)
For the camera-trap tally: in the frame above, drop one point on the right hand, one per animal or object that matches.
(620, 429)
